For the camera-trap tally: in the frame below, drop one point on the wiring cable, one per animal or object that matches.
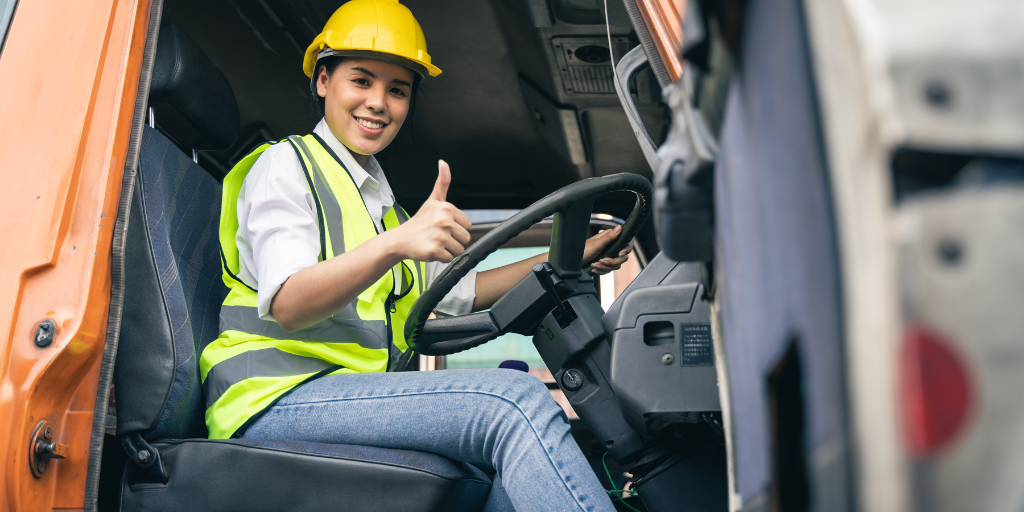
(615, 491)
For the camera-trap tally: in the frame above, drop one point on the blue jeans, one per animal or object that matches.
(493, 418)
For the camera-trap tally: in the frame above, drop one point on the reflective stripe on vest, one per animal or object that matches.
(255, 361)
(267, 362)
(343, 325)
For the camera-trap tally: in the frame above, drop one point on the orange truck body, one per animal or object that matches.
(69, 75)
(664, 19)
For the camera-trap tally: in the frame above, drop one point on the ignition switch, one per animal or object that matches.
(572, 379)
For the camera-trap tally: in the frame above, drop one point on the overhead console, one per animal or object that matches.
(561, 51)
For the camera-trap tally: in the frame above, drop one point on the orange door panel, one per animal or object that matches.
(664, 20)
(68, 78)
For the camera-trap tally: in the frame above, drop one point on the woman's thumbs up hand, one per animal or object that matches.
(444, 178)
(439, 231)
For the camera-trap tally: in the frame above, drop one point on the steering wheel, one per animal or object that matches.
(522, 308)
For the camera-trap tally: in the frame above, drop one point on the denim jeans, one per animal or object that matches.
(500, 419)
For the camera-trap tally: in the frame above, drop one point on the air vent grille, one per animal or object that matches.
(590, 80)
(585, 63)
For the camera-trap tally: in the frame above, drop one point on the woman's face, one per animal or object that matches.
(367, 101)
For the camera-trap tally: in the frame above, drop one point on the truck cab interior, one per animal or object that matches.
(525, 103)
(525, 106)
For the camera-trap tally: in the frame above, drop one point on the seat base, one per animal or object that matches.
(271, 475)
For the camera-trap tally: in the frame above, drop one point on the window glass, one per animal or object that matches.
(509, 346)
(483, 216)
(6, 13)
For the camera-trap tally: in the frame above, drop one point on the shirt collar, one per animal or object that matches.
(358, 173)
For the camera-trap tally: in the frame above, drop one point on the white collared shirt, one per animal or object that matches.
(278, 233)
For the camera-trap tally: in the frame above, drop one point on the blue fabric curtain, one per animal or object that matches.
(778, 263)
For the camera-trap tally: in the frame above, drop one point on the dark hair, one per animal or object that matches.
(317, 104)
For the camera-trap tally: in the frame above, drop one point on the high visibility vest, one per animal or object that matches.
(254, 362)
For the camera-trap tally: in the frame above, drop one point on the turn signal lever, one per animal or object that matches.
(549, 280)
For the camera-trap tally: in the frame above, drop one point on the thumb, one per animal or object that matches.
(607, 236)
(444, 178)
(598, 242)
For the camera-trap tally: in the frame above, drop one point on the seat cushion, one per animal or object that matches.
(271, 475)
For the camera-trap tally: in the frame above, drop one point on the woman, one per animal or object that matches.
(323, 267)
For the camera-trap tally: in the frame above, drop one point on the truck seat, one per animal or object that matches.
(173, 293)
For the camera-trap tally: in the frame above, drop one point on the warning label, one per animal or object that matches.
(697, 348)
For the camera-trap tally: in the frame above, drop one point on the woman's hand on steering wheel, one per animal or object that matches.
(439, 231)
(596, 244)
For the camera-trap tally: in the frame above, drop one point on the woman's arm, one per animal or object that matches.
(492, 284)
(438, 232)
(318, 291)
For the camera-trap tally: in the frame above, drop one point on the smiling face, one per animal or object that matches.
(367, 101)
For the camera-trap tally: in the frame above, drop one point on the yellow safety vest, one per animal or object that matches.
(254, 362)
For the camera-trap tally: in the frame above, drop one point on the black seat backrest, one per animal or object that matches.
(173, 287)
(173, 292)
(191, 98)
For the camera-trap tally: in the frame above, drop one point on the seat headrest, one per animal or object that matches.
(192, 100)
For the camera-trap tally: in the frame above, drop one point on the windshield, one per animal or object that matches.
(6, 13)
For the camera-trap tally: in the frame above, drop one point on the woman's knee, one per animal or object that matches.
(515, 382)
(528, 415)
(527, 392)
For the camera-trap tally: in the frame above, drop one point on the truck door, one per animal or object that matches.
(69, 77)
(742, 183)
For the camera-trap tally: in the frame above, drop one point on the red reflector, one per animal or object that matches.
(934, 389)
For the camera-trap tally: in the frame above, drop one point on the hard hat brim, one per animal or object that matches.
(315, 52)
(416, 67)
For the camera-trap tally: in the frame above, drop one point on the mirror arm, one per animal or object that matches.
(629, 65)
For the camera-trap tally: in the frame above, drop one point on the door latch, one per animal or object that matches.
(42, 448)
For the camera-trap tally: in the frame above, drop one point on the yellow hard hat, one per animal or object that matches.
(383, 29)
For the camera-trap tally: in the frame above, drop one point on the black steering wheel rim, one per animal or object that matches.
(577, 197)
